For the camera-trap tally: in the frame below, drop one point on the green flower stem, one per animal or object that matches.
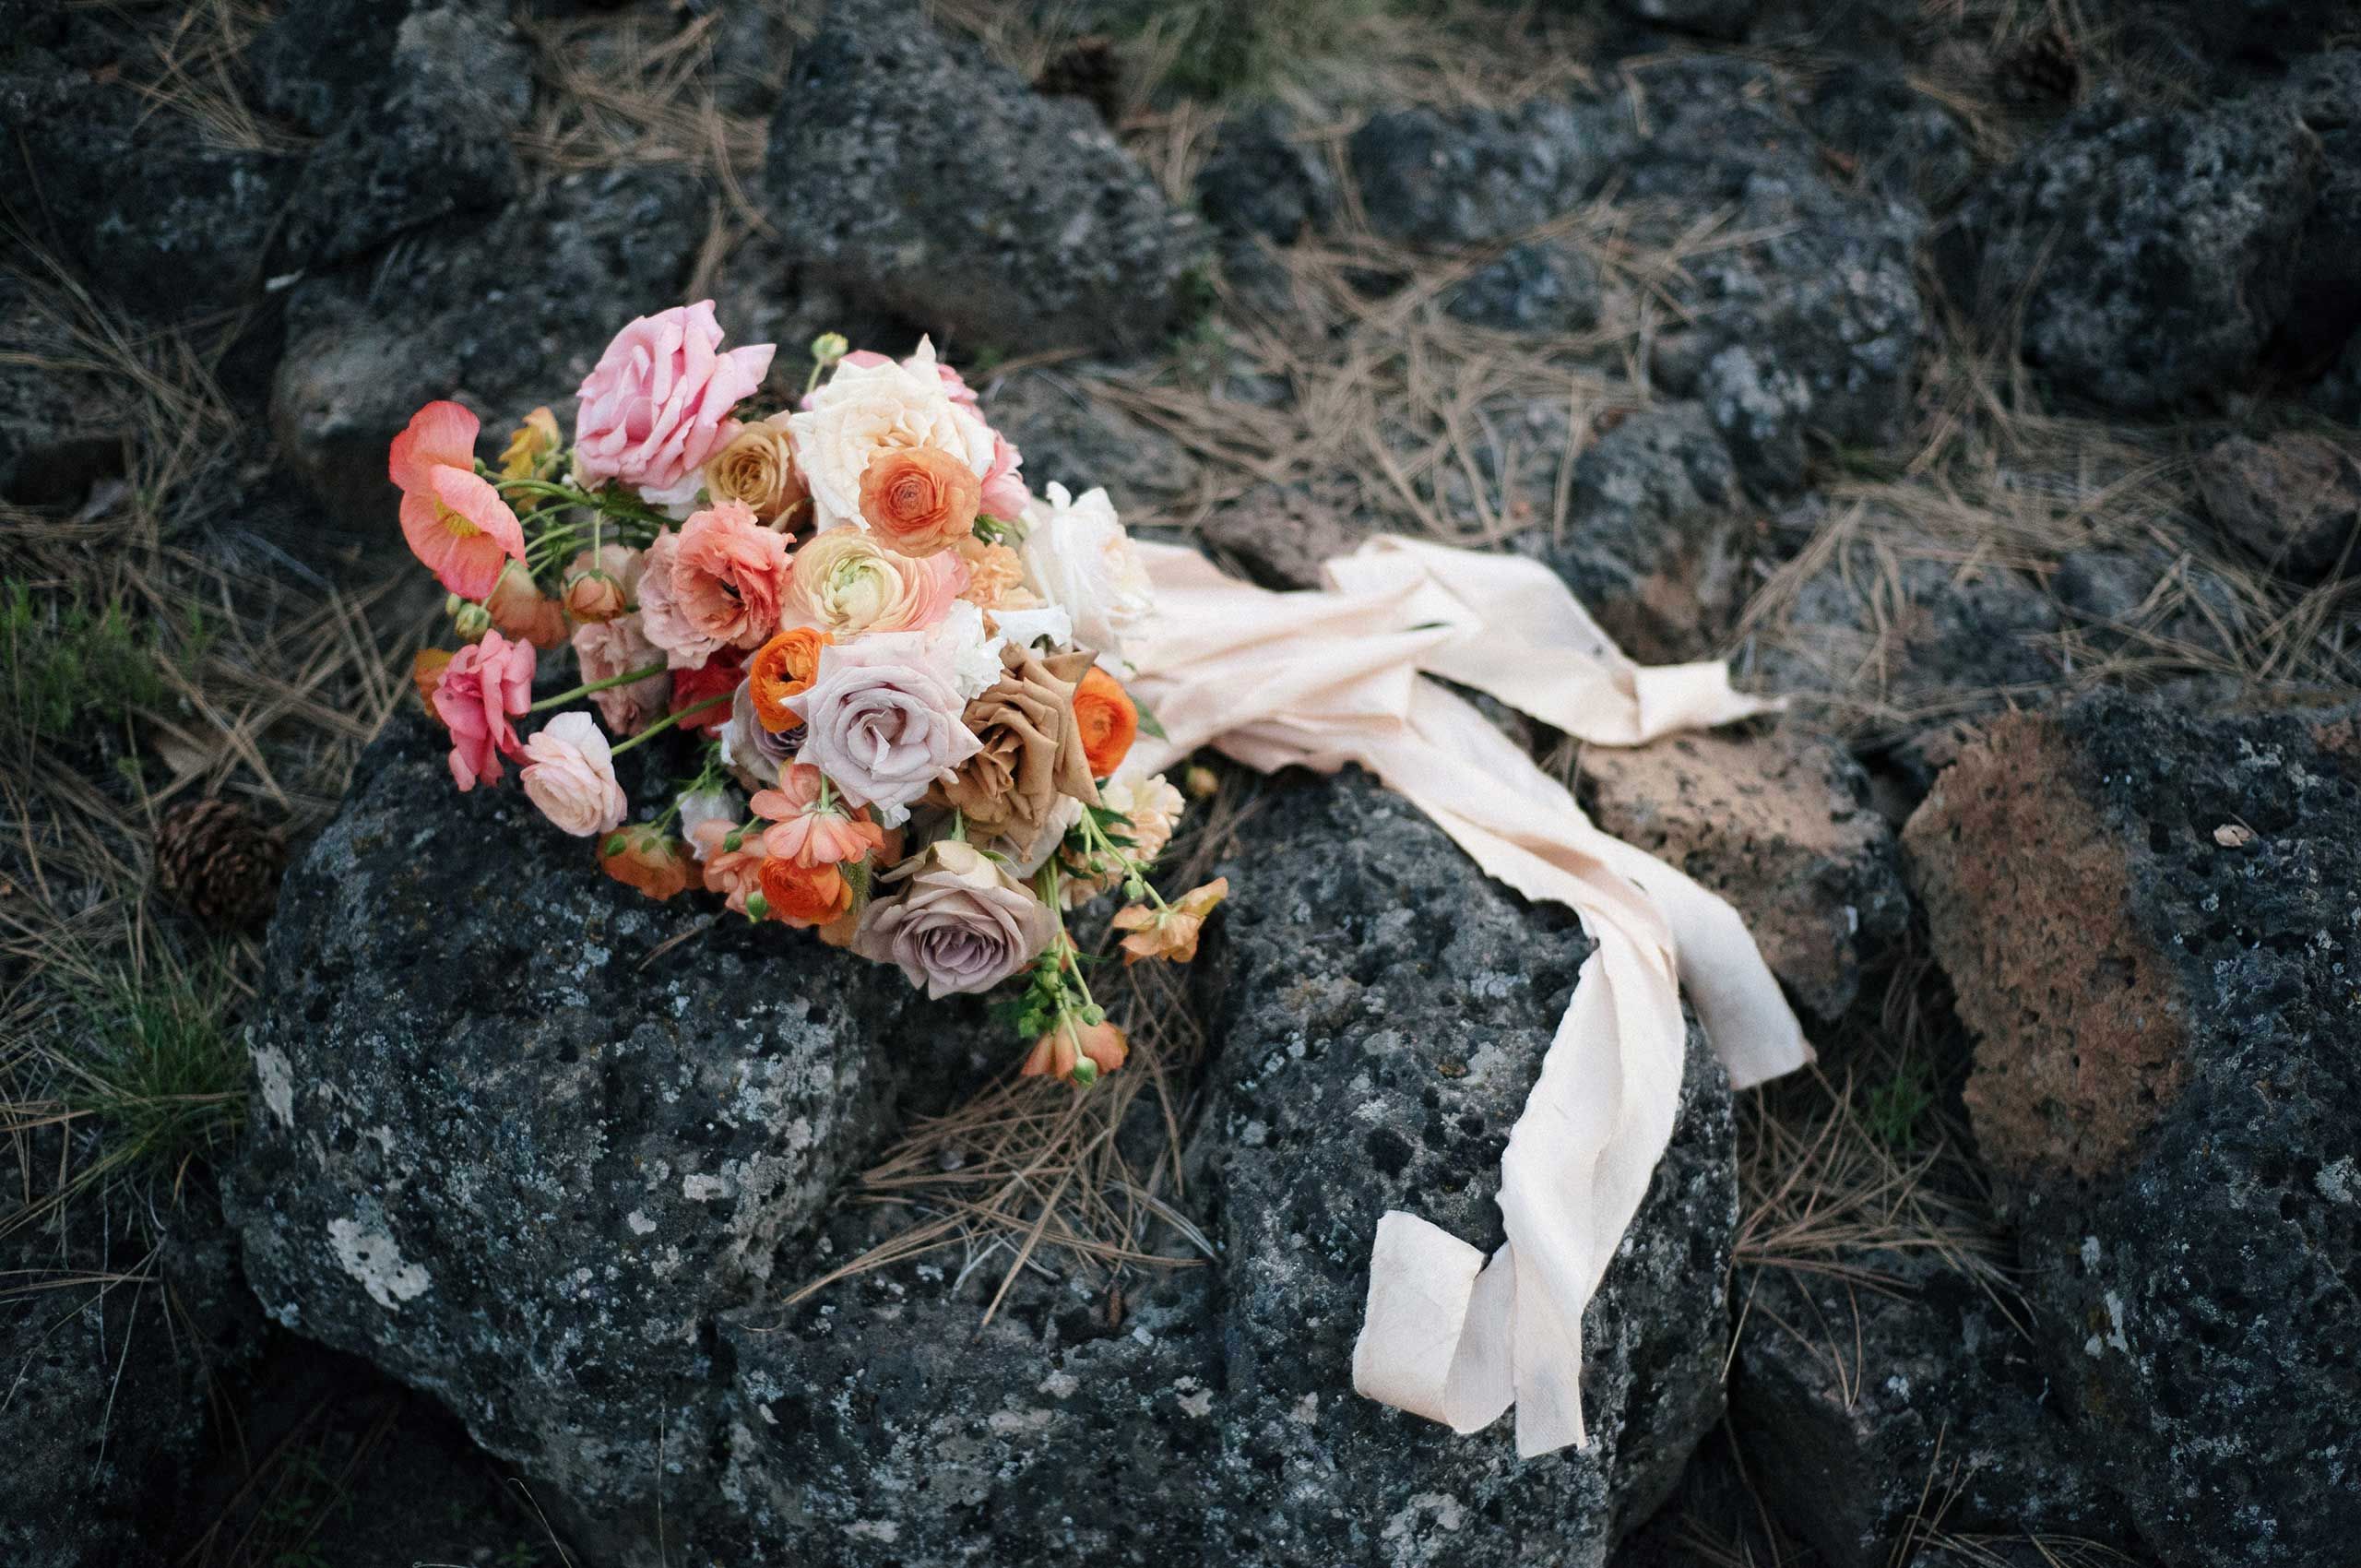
(588, 688)
(1135, 869)
(668, 720)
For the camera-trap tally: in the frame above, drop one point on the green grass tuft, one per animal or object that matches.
(67, 666)
(1897, 1106)
(161, 1070)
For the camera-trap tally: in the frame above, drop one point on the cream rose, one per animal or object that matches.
(1078, 557)
(872, 406)
(570, 774)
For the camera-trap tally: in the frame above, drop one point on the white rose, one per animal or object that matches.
(1078, 557)
(865, 409)
(706, 805)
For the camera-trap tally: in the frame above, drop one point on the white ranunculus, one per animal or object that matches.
(1078, 557)
(707, 805)
(864, 408)
(970, 654)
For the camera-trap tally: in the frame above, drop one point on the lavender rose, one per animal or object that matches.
(959, 923)
(882, 718)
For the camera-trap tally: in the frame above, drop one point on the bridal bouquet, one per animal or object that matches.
(899, 672)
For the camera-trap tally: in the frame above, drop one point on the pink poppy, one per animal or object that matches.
(485, 687)
(455, 522)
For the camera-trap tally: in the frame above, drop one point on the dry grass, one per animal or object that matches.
(191, 63)
(263, 688)
(1096, 1176)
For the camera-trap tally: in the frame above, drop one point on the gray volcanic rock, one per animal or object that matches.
(1654, 545)
(453, 318)
(934, 183)
(1377, 1020)
(60, 428)
(429, 138)
(2294, 499)
(515, 1151)
(2154, 256)
(1258, 179)
(1075, 438)
(2149, 917)
(1533, 287)
(1475, 175)
(168, 222)
(506, 1150)
(1849, 1396)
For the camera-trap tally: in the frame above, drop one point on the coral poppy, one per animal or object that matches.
(455, 522)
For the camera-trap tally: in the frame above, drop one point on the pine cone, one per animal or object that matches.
(2042, 70)
(219, 863)
(1087, 69)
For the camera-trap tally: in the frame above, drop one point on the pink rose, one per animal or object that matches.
(485, 686)
(606, 649)
(570, 774)
(882, 719)
(657, 403)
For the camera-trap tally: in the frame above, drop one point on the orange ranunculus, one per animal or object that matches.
(1108, 719)
(919, 499)
(784, 668)
(426, 673)
(643, 858)
(803, 895)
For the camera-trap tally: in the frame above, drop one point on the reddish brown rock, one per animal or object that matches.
(2077, 1020)
(1781, 825)
(2295, 499)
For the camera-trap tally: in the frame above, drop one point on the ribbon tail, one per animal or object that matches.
(1436, 1337)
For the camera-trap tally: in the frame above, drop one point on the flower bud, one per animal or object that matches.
(828, 348)
(471, 621)
(1201, 781)
(594, 598)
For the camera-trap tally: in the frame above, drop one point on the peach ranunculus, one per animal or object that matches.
(643, 858)
(728, 574)
(734, 873)
(570, 774)
(847, 582)
(603, 584)
(453, 518)
(782, 668)
(657, 403)
(758, 469)
(518, 607)
(1169, 932)
(919, 499)
(486, 686)
(1107, 718)
(607, 648)
(870, 405)
(1074, 1050)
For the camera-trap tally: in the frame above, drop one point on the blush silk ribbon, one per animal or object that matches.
(1338, 674)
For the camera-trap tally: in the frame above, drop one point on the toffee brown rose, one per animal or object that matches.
(1030, 751)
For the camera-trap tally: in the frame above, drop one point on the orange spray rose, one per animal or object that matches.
(1108, 719)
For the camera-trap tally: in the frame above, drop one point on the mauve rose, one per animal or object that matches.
(607, 648)
(881, 720)
(958, 923)
(657, 403)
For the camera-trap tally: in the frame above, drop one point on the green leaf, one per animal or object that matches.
(1148, 721)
